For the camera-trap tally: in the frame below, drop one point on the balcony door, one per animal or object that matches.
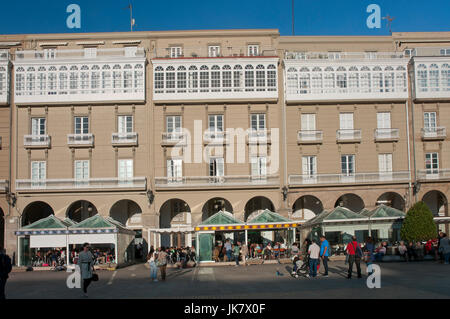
(216, 170)
(432, 165)
(38, 173)
(173, 124)
(430, 124)
(309, 167)
(81, 125)
(38, 126)
(81, 173)
(385, 166)
(215, 125)
(384, 124)
(259, 167)
(348, 168)
(174, 170)
(308, 127)
(346, 126)
(125, 124)
(125, 172)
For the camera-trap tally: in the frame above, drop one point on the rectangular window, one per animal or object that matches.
(259, 166)
(258, 122)
(81, 168)
(348, 165)
(309, 166)
(174, 170)
(125, 123)
(90, 52)
(429, 122)
(385, 163)
(253, 50)
(384, 120)
(81, 125)
(176, 52)
(38, 126)
(213, 51)
(49, 54)
(38, 173)
(173, 123)
(125, 172)
(215, 123)
(216, 168)
(346, 121)
(432, 163)
(308, 122)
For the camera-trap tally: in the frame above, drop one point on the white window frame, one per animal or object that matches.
(38, 177)
(125, 124)
(213, 51)
(125, 170)
(84, 123)
(174, 170)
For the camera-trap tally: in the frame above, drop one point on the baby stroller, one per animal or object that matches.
(302, 266)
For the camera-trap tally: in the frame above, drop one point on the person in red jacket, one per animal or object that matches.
(354, 253)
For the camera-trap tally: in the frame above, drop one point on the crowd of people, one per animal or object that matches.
(183, 257)
(57, 257)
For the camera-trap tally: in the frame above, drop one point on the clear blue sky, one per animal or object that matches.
(313, 17)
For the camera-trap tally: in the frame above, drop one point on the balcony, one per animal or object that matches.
(348, 136)
(309, 137)
(431, 77)
(124, 139)
(433, 133)
(173, 138)
(70, 76)
(76, 185)
(356, 178)
(433, 174)
(37, 141)
(4, 78)
(80, 140)
(259, 136)
(196, 52)
(386, 134)
(323, 76)
(250, 78)
(216, 181)
(215, 138)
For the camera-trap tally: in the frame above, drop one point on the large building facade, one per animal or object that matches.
(160, 130)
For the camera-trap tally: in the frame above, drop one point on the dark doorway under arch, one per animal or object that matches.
(81, 210)
(35, 211)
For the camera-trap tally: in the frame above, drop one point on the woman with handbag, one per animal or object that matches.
(152, 263)
(86, 264)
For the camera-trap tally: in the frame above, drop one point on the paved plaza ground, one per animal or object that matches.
(426, 279)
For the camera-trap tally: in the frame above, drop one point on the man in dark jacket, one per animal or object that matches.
(5, 269)
(354, 256)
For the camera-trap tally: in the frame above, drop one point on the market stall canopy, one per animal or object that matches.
(384, 212)
(99, 224)
(267, 216)
(49, 222)
(339, 214)
(69, 222)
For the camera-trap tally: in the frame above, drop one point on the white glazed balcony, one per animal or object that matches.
(434, 133)
(348, 136)
(215, 79)
(37, 141)
(4, 77)
(74, 184)
(216, 181)
(309, 136)
(432, 77)
(433, 174)
(173, 138)
(386, 134)
(356, 178)
(111, 75)
(80, 140)
(124, 139)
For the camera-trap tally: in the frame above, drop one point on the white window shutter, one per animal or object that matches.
(219, 167)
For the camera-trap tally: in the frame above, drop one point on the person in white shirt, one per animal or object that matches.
(313, 251)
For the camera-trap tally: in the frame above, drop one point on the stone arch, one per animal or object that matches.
(256, 204)
(306, 207)
(35, 211)
(350, 201)
(126, 212)
(392, 199)
(81, 210)
(214, 205)
(437, 203)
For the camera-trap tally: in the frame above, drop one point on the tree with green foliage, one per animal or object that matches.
(418, 224)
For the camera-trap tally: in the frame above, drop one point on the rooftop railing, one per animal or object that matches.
(101, 54)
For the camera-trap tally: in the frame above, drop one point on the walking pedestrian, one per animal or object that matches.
(445, 248)
(354, 256)
(5, 269)
(236, 250)
(324, 253)
(313, 251)
(228, 249)
(244, 252)
(86, 264)
(162, 263)
(152, 263)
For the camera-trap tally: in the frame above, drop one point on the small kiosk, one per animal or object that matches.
(223, 225)
(53, 233)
